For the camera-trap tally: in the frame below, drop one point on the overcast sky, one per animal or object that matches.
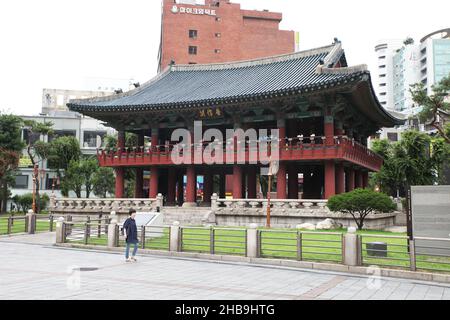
(62, 43)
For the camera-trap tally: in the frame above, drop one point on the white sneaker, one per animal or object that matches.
(129, 260)
(133, 259)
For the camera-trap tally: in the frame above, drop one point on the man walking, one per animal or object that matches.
(131, 238)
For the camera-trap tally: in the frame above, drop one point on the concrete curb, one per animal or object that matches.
(390, 273)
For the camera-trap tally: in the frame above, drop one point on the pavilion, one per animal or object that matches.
(323, 109)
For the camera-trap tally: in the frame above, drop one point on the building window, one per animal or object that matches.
(382, 93)
(30, 138)
(382, 76)
(93, 139)
(192, 50)
(61, 133)
(392, 136)
(21, 182)
(382, 66)
(193, 34)
(382, 84)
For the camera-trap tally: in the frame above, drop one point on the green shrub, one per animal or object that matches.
(360, 203)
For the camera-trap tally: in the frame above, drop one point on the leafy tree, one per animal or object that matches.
(34, 148)
(103, 182)
(24, 202)
(87, 168)
(79, 174)
(11, 146)
(360, 203)
(435, 106)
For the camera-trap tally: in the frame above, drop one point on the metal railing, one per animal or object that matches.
(225, 241)
(431, 254)
(155, 237)
(90, 231)
(309, 246)
(384, 251)
(13, 224)
(45, 223)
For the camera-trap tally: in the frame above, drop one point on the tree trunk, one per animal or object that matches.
(4, 200)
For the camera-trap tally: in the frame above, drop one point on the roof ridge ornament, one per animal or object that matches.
(344, 70)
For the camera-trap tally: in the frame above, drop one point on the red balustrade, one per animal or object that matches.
(294, 149)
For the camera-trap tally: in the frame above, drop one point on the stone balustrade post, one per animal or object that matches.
(252, 241)
(159, 201)
(113, 231)
(31, 221)
(60, 231)
(214, 202)
(351, 247)
(175, 240)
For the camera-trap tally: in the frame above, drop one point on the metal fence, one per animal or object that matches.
(384, 251)
(155, 237)
(13, 224)
(311, 246)
(90, 231)
(225, 241)
(431, 254)
(45, 223)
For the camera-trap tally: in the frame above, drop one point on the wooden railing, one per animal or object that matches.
(292, 149)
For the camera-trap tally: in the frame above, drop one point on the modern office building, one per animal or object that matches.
(214, 31)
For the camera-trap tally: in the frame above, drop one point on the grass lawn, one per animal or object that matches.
(282, 243)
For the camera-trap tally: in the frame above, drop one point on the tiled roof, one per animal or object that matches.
(181, 86)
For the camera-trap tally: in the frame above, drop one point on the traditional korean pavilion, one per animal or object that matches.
(324, 110)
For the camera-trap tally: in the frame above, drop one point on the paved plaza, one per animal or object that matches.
(33, 269)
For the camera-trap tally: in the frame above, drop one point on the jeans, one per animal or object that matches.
(127, 251)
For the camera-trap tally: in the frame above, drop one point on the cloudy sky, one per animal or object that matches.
(64, 44)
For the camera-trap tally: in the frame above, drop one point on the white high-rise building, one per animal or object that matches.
(385, 51)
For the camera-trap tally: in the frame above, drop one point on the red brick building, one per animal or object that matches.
(219, 31)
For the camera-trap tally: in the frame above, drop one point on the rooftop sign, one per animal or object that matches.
(197, 11)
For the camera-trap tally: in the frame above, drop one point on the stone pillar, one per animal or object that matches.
(60, 231)
(154, 177)
(292, 182)
(175, 241)
(351, 247)
(180, 190)
(281, 182)
(350, 179)
(191, 197)
(237, 182)
(252, 241)
(330, 179)
(207, 187)
(120, 182)
(171, 186)
(340, 178)
(113, 234)
(358, 179)
(365, 179)
(31, 221)
(251, 182)
(139, 185)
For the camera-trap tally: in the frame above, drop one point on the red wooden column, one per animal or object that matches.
(154, 174)
(207, 187)
(191, 198)
(350, 179)
(237, 182)
(281, 182)
(180, 189)
(251, 182)
(139, 184)
(365, 179)
(330, 179)
(292, 182)
(120, 172)
(340, 178)
(329, 129)
(120, 178)
(171, 186)
(358, 179)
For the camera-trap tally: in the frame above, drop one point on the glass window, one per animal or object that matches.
(62, 133)
(193, 34)
(192, 50)
(21, 182)
(93, 139)
(392, 136)
(29, 137)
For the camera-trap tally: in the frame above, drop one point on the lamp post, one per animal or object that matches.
(35, 177)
